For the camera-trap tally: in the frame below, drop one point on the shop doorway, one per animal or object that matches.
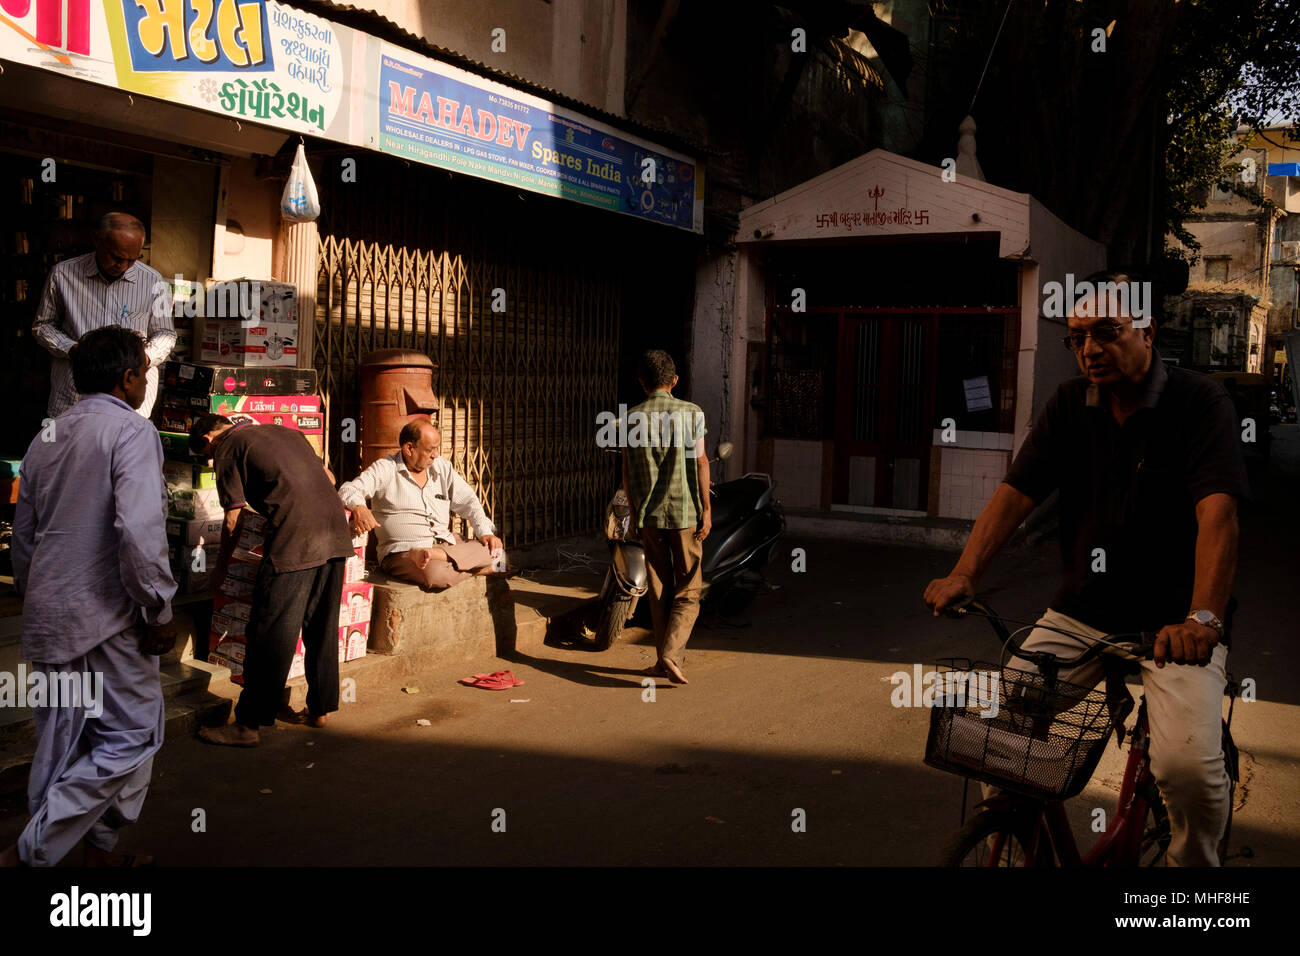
(884, 409)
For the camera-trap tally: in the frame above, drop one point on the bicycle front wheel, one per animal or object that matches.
(998, 837)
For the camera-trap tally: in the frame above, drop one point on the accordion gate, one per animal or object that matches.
(520, 388)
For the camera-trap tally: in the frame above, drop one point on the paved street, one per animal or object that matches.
(789, 709)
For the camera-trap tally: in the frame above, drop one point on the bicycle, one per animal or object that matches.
(1041, 747)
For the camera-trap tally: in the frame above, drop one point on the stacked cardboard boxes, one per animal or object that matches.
(265, 340)
(282, 396)
(232, 605)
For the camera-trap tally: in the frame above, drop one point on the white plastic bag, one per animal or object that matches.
(300, 203)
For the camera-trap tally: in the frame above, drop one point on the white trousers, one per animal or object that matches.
(91, 773)
(1185, 714)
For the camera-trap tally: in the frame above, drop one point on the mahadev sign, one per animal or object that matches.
(246, 59)
(434, 113)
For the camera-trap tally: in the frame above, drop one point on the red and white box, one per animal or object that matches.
(230, 653)
(227, 625)
(353, 639)
(243, 565)
(355, 603)
(298, 667)
(234, 587)
(235, 607)
(354, 570)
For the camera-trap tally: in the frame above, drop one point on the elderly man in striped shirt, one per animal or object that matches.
(414, 493)
(106, 287)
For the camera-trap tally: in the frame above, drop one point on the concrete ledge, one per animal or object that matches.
(945, 533)
(948, 534)
(472, 620)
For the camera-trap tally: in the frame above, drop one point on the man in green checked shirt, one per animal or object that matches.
(666, 478)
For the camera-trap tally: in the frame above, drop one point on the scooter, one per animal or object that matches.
(747, 523)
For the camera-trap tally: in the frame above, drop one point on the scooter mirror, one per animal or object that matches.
(725, 450)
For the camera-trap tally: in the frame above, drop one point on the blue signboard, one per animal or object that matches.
(430, 116)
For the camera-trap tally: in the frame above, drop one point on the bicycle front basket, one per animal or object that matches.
(1007, 727)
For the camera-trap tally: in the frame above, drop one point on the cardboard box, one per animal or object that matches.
(303, 413)
(175, 419)
(256, 405)
(186, 379)
(355, 604)
(251, 541)
(226, 625)
(229, 653)
(250, 520)
(187, 476)
(183, 347)
(176, 446)
(243, 565)
(205, 531)
(185, 556)
(235, 608)
(230, 342)
(9, 479)
(354, 570)
(238, 588)
(297, 667)
(194, 504)
(190, 581)
(352, 641)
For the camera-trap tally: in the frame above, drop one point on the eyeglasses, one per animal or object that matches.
(1102, 335)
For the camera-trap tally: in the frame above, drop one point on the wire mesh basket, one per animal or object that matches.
(1008, 727)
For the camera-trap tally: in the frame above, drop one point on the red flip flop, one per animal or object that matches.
(507, 676)
(487, 682)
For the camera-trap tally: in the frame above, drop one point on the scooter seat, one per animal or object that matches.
(733, 500)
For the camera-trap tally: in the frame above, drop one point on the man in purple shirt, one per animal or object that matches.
(90, 563)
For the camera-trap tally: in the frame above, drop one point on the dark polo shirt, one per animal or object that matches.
(1131, 490)
(275, 471)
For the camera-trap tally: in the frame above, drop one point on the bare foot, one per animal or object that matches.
(231, 735)
(655, 670)
(674, 672)
(9, 856)
(303, 716)
(97, 857)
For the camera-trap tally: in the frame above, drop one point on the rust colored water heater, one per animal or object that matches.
(396, 386)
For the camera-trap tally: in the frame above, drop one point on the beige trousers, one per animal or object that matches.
(676, 583)
(464, 559)
(1185, 713)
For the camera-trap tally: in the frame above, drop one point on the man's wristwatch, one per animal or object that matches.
(1208, 619)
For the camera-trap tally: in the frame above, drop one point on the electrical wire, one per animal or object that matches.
(989, 59)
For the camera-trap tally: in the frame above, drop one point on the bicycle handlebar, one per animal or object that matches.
(1145, 641)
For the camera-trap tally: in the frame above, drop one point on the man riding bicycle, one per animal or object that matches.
(1149, 467)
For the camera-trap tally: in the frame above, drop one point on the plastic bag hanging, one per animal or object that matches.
(300, 203)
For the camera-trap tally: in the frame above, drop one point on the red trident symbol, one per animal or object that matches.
(875, 192)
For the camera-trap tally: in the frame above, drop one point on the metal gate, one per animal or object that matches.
(525, 342)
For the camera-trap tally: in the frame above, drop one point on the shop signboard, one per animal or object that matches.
(434, 113)
(261, 62)
(251, 60)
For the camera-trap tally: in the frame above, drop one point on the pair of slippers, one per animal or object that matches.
(501, 680)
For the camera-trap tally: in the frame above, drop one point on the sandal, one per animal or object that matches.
(501, 680)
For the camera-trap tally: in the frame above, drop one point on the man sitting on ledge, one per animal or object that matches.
(413, 494)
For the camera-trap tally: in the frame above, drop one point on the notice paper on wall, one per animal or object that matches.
(978, 398)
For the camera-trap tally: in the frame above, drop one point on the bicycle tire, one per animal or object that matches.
(969, 846)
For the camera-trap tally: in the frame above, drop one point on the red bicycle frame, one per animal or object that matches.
(1120, 845)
